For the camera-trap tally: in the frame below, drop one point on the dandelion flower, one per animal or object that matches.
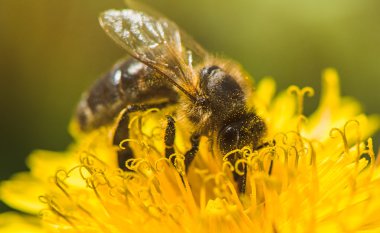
(320, 176)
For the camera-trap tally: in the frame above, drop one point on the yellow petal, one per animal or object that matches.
(22, 192)
(15, 223)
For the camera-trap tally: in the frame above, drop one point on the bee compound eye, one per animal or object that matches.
(228, 138)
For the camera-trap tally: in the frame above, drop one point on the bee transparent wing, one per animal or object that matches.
(198, 52)
(156, 42)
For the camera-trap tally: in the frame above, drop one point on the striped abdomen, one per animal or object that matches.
(129, 82)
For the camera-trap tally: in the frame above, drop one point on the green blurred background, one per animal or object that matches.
(51, 50)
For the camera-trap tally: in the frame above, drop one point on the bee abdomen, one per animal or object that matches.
(100, 104)
(129, 82)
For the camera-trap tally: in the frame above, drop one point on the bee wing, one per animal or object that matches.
(157, 43)
(198, 52)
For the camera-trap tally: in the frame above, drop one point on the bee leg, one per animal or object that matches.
(190, 154)
(169, 139)
(169, 145)
(241, 177)
(122, 131)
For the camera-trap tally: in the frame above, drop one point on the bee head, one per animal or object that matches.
(246, 131)
(221, 89)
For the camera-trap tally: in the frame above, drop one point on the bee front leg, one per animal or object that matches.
(122, 131)
(169, 139)
(169, 145)
(190, 154)
(241, 177)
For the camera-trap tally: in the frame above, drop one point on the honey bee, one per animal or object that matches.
(165, 68)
